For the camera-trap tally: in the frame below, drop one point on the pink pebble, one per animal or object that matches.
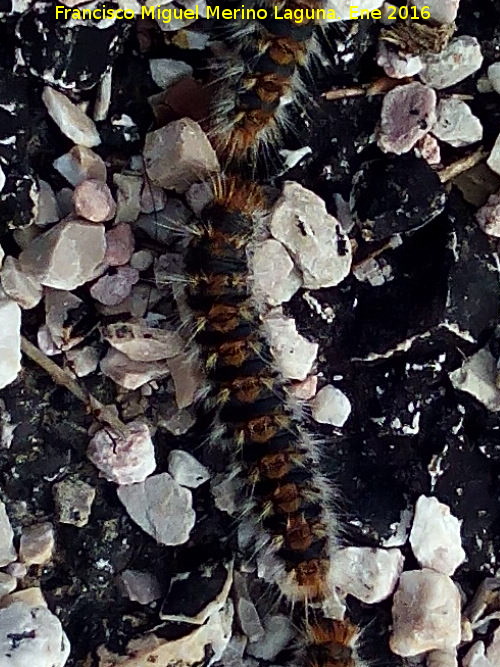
(93, 201)
(112, 289)
(119, 245)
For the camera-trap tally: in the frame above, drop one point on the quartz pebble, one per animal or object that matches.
(186, 470)
(293, 353)
(8, 583)
(19, 286)
(488, 216)
(178, 155)
(73, 500)
(370, 575)
(83, 360)
(278, 632)
(313, 237)
(273, 272)
(456, 124)
(461, 58)
(408, 112)
(441, 11)
(494, 76)
(48, 208)
(143, 343)
(67, 256)
(435, 536)
(81, 164)
(37, 544)
(161, 507)
(10, 341)
(40, 639)
(429, 601)
(93, 201)
(71, 120)
(166, 71)
(113, 288)
(7, 551)
(123, 460)
(128, 197)
(331, 406)
(142, 587)
(477, 377)
(493, 160)
(397, 65)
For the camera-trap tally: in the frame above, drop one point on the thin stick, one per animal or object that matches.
(62, 378)
(460, 166)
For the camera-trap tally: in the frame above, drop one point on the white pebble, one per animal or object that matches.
(331, 406)
(488, 216)
(186, 470)
(493, 160)
(370, 575)
(477, 376)
(442, 11)
(275, 278)
(435, 536)
(429, 601)
(10, 341)
(313, 237)
(461, 58)
(71, 120)
(456, 124)
(7, 551)
(166, 71)
(293, 353)
(161, 507)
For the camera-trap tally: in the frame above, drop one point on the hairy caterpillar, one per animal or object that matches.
(274, 460)
(250, 96)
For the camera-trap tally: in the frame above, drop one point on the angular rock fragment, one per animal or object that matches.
(161, 507)
(331, 406)
(477, 376)
(120, 244)
(278, 633)
(141, 342)
(48, 209)
(441, 11)
(494, 76)
(435, 536)
(128, 197)
(394, 195)
(37, 544)
(314, 238)
(64, 312)
(493, 160)
(71, 120)
(93, 201)
(7, 552)
(83, 360)
(123, 460)
(186, 470)
(142, 587)
(461, 58)
(488, 216)
(166, 71)
(67, 256)
(397, 65)
(456, 124)
(152, 198)
(10, 341)
(81, 164)
(408, 113)
(73, 499)
(8, 583)
(293, 353)
(273, 272)
(18, 285)
(370, 575)
(113, 288)
(178, 155)
(31, 635)
(188, 378)
(429, 601)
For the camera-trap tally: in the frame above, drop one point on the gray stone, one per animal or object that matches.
(7, 552)
(188, 379)
(166, 71)
(73, 499)
(441, 11)
(142, 587)
(456, 124)
(131, 374)
(461, 58)
(83, 360)
(493, 160)
(278, 632)
(113, 288)
(161, 507)
(275, 279)
(494, 76)
(477, 376)
(8, 583)
(18, 285)
(178, 155)
(186, 470)
(10, 341)
(37, 544)
(80, 164)
(70, 119)
(48, 208)
(488, 216)
(128, 197)
(141, 342)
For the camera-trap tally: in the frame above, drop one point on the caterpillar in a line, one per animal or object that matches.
(259, 78)
(274, 460)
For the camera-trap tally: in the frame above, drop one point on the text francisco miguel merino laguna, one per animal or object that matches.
(168, 14)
